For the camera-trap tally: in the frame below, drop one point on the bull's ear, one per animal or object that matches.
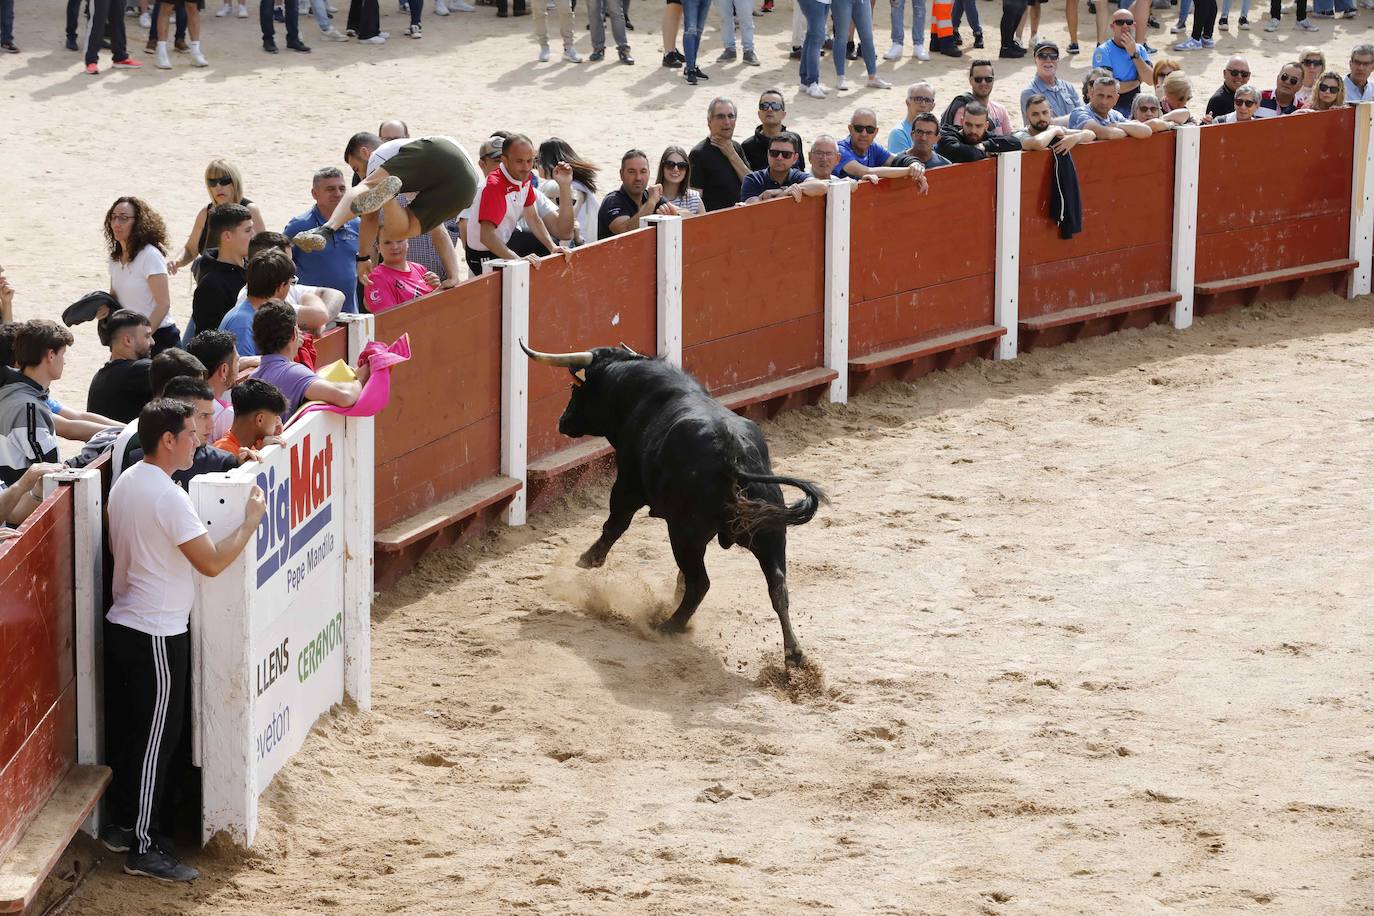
(581, 376)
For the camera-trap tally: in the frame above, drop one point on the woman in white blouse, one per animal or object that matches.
(138, 267)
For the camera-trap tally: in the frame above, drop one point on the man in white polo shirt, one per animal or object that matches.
(507, 195)
(157, 541)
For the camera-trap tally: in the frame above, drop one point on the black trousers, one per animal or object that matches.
(269, 32)
(107, 19)
(1276, 8)
(73, 18)
(1012, 11)
(364, 17)
(148, 679)
(1205, 18)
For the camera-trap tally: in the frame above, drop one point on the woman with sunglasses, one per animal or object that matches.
(581, 184)
(1247, 107)
(1313, 62)
(1329, 92)
(674, 174)
(137, 240)
(224, 183)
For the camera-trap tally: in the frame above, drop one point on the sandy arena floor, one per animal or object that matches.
(1094, 635)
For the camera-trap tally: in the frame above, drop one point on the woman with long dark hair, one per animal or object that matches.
(137, 240)
(554, 152)
(674, 176)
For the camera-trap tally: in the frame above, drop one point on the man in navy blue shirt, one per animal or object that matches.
(784, 149)
(335, 265)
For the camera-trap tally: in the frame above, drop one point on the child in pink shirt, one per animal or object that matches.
(396, 280)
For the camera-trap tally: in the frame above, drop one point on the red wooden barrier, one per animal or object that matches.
(1274, 207)
(1114, 273)
(753, 296)
(331, 346)
(921, 273)
(37, 690)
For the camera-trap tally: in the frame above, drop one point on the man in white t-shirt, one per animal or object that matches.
(437, 175)
(158, 543)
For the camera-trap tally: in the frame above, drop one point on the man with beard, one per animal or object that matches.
(1041, 134)
(972, 141)
(981, 77)
(120, 388)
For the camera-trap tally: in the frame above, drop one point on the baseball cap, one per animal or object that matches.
(1043, 45)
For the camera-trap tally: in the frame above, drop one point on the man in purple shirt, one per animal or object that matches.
(278, 337)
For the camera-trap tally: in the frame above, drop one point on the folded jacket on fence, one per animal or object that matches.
(1065, 205)
(376, 391)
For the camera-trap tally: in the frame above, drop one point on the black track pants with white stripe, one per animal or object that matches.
(146, 676)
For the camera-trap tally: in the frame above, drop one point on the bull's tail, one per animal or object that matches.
(750, 514)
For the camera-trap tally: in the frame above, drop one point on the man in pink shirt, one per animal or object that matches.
(396, 280)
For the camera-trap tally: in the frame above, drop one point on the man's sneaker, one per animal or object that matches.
(92, 69)
(198, 59)
(335, 35)
(116, 838)
(1189, 44)
(543, 54)
(1223, 24)
(440, 8)
(795, 54)
(920, 53)
(243, 11)
(313, 239)
(816, 91)
(145, 20)
(1272, 25)
(72, 45)
(877, 82)
(673, 59)
(1307, 25)
(413, 31)
(690, 75)
(701, 74)
(751, 58)
(625, 56)
(224, 11)
(1244, 24)
(1013, 52)
(278, 14)
(570, 55)
(159, 865)
(1348, 14)
(977, 39)
(727, 56)
(373, 198)
(1073, 47)
(894, 52)
(304, 48)
(127, 63)
(1209, 43)
(374, 40)
(269, 45)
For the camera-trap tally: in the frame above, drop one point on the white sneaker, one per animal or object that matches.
(877, 82)
(224, 11)
(894, 52)
(243, 11)
(374, 40)
(842, 84)
(440, 8)
(1188, 44)
(1308, 25)
(816, 91)
(543, 54)
(413, 31)
(570, 55)
(335, 35)
(163, 61)
(1272, 26)
(198, 59)
(921, 53)
(145, 19)
(383, 35)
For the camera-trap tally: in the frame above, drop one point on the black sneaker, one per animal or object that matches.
(279, 14)
(1013, 52)
(701, 74)
(796, 53)
(673, 59)
(116, 838)
(71, 45)
(597, 54)
(159, 865)
(269, 46)
(298, 45)
(850, 52)
(690, 76)
(977, 39)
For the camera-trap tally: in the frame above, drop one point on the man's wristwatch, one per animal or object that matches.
(1135, 56)
(360, 258)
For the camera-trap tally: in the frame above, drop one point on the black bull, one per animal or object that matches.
(697, 465)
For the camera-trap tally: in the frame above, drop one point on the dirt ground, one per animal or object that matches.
(1094, 635)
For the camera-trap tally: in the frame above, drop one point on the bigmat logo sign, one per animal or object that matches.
(299, 507)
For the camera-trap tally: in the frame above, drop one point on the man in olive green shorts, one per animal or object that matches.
(435, 172)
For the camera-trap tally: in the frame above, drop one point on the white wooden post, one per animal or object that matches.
(515, 374)
(838, 198)
(88, 523)
(359, 469)
(1362, 201)
(1183, 273)
(1007, 283)
(668, 231)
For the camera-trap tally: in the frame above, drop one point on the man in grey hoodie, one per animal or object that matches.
(26, 425)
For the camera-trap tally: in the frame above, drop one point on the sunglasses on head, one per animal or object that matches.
(1290, 80)
(782, 153)
(864, 128)
(222, 181)
(1239, 74)
(770, 106)
(984, 79)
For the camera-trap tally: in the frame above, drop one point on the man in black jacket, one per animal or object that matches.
(221, 270)
(972, 141)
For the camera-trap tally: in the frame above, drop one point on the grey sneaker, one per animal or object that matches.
(159, 865)
(373, 199)
(726, 56)
(751, 58)
(116, 838)
(313, 239)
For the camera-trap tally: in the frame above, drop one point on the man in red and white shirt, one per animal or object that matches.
(507, 195)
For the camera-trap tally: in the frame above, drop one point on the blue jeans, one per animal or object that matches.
(1244, 9)
(1328, 6)
(862, 14)
(967, 6)
(743, 10)
(1184, 7)
(918, 21)
(693, 19)
(815, 12)
(7, 21)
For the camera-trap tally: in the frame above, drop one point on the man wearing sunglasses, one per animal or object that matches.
(980, 79)
(1283, 98)
(1060, 94)
(772, 109)
(920, 99)
(765, 184)
(1128, 61)
(860, 156)
(1235, 74)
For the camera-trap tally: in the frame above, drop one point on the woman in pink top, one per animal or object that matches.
(396, 280)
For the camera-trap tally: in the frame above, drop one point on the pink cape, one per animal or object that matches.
(376, 392)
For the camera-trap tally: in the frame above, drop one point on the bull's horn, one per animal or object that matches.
(567, 360)
(627, 348)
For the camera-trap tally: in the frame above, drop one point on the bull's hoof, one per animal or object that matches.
(670, 627)
(590, 560)
(795, 659)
